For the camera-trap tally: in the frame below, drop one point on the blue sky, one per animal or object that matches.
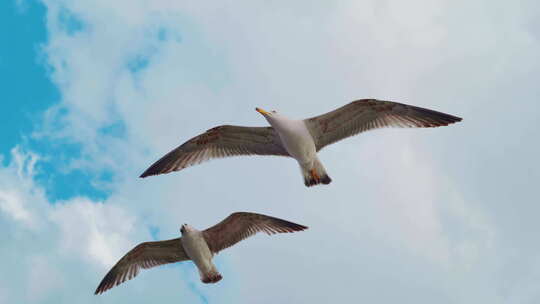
(31, 92)
(95, 91)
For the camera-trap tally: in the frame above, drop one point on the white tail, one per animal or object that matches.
(315, 174)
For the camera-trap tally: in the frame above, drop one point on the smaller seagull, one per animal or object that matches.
(300, 139)
(195, 245)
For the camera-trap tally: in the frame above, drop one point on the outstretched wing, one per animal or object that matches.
(241, 225)
(366, 114)
(145, 255)
(222, 141)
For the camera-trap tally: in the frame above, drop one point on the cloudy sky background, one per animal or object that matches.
(95, 91)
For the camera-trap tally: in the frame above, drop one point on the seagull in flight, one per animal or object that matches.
(300, 139)
(197, 246)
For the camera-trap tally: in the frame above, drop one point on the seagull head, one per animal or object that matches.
(184, 228)
(271, 116)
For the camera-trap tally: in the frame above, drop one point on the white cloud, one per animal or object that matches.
(101, 230)
(11, 204)
(16, 190)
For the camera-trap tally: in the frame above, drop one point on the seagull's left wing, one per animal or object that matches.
(241, 225)
(218, 142)
(366, 114)
(145, 255)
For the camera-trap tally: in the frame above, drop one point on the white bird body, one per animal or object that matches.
(198, 251)
(295, 137)
(299, 143)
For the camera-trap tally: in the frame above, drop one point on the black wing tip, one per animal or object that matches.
(450, 119)
(446, 121)
(149, 172)
(436, 118)
(146, 174)
(299, 227)
(154, 171)
(101, 289)
(159, 167)
(289, 228)
(441, 119)
(294, 227)
(106, 284)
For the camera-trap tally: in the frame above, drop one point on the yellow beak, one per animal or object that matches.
(263, 112)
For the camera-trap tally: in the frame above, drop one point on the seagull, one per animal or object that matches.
(195, 245)
(300, 139)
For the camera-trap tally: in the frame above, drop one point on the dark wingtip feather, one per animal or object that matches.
(154, 169)
(108, 282)
(299, 227)
(281, 225)
(436, 119)
(100, 289)
(103, 286)
(146, 173)
(161, 166)
(291, 227)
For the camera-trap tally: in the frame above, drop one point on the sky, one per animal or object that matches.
(95, 91)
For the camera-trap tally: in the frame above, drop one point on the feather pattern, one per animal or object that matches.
(219, 142)
(366, 114)
(145, 255)
(241, 225)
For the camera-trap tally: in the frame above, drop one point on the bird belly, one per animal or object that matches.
(197, 249)
(299, 143)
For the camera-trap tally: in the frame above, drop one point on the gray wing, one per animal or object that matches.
(145, 255)
(218, 142)
(241, 225)
(366, 114)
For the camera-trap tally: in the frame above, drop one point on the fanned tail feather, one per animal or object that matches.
(315, 174)
(212, 276)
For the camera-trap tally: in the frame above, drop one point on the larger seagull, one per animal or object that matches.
(300, 139)
(195, 245)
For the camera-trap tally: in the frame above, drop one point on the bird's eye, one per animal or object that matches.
(273, 111)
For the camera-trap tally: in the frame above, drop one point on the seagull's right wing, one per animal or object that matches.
(145, 255)
(222, 141)
(366, 114)
(241, 225)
